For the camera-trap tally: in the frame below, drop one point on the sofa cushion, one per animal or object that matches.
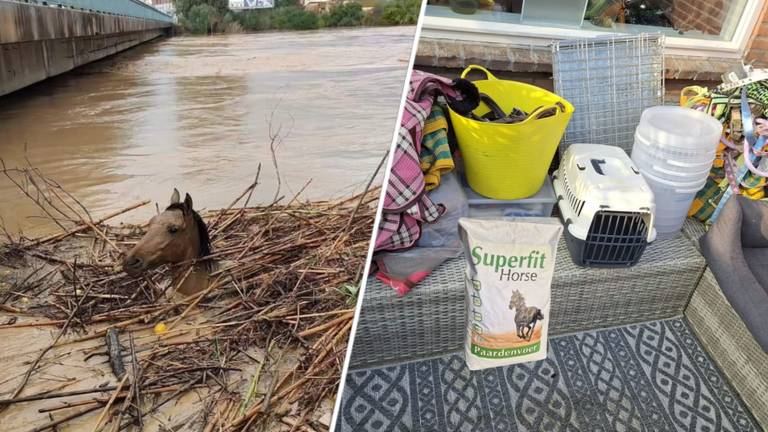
(757, 260)
(742, 273)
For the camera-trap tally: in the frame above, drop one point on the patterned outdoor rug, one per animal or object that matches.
(647, 377)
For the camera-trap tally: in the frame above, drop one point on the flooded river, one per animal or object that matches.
(193, 112)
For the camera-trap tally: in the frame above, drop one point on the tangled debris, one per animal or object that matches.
(279, 305)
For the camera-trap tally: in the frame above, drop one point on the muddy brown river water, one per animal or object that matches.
(192, 113)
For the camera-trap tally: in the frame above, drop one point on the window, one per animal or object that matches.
(693, 24)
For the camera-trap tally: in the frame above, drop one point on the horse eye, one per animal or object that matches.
(173, 229)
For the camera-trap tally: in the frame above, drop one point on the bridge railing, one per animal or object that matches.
(130, 8)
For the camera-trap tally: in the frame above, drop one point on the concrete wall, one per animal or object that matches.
(37, 42)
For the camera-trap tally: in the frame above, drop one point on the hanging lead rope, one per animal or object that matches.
(753, 149)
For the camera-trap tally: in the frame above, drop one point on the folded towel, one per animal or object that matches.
(435, 158)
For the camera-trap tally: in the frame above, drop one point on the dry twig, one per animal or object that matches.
(279, 270)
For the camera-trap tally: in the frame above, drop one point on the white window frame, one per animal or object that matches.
(538, 36)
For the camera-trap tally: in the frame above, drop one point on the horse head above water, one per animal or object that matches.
(178, 235)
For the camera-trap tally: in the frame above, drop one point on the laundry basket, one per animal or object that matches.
(510, 161)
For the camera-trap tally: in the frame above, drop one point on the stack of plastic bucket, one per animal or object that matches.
(674, 150)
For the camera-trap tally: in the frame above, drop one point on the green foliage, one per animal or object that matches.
(183, 7)
(231, 24)
(373, 17)
(212, 16)
(344, 15)
(203, 16)
(350, 291)
(256, 20)
(230, 18)
(291, 18)
(201, 19)
(401, 12)
(279, 4)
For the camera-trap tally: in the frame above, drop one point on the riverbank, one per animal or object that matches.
(263, 345)
(200, 17)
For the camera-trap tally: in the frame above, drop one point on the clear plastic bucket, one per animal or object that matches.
(680, 185)
(672, 202)
(668, 171)
(673, 155)
(679, 130)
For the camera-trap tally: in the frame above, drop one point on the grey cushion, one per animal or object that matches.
(757, 260)
(736, 249)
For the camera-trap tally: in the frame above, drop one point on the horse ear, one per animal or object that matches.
(188, 202)
(176, 197)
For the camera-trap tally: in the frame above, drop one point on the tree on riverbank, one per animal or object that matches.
(183, 7)
(344, 15)
(401, 12)
(201, 19)
(214, 16)
(293, 18)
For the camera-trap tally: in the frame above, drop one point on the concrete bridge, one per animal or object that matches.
(40, 39)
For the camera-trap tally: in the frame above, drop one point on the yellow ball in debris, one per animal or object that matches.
(160, 328)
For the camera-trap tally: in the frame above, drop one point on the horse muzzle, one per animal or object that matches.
(134, 266)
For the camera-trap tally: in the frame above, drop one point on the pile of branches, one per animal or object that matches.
(284, 281)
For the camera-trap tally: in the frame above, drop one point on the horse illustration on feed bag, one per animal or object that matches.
(510, 262)
(526, 317)
(177, 236)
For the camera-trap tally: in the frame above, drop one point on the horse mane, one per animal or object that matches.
(202, 229)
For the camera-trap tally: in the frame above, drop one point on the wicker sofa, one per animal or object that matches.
(430, 320)
(670, 280)
(727, 340)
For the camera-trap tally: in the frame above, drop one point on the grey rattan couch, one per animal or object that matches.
(671, 279)
(727, 339)
(430, 320)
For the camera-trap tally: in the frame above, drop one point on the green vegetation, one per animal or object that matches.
(344, 15)
(213, 16)
(401, 12)
(350, 292)
(183, 7)
(202, 18)
(293, 18)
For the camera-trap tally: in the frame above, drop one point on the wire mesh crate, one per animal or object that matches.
(610, 80)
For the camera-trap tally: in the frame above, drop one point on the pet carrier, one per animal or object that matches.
(606, 206)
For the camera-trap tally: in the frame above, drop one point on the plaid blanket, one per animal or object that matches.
(406, 204)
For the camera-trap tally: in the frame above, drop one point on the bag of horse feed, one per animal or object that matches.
(510, 263)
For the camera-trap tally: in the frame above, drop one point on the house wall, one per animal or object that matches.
(706, 16)
(758, 48)
(449, 53)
